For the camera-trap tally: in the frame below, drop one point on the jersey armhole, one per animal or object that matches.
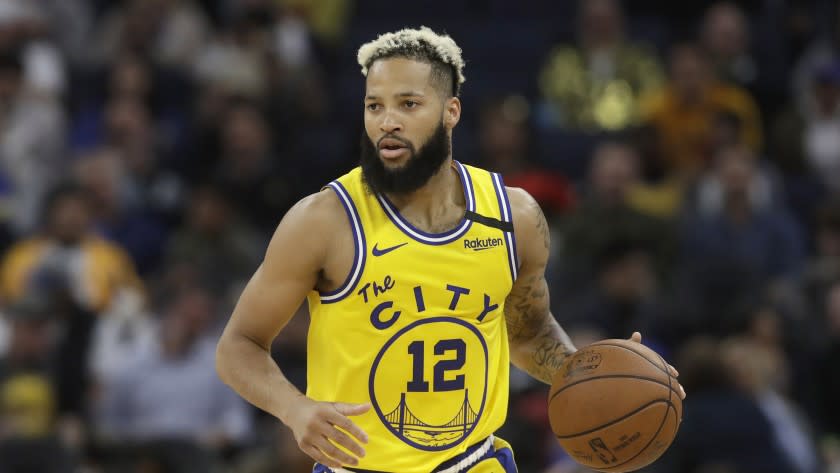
(359, 247)
(507, 216)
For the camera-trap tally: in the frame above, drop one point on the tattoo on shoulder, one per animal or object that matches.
(542, 224)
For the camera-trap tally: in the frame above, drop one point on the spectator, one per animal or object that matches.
(809, 137)
(327, 19)
(725, 36)
(118, 213)
(737, 240)
(683, 113)
(214, 242)
(31, 142)
(606, 215)
(24, 27)
(722, 427)
(68, 24)
(824, 48)
(804, 148)
(597, 84)
(169, 32)
(124, 334)
(130, 129)
(68, 256)
(172, 393)
(29, 398)
(760, 372)
(625, 297)
(261, 185)
(235, 60)
(505, 141)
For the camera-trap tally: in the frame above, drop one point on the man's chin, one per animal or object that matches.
(394, 165)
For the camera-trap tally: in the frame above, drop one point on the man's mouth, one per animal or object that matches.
(390, 148)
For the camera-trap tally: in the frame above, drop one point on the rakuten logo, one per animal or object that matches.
(478, 244)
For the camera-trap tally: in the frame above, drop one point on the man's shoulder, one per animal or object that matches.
(320, 208)
(526, 211)
(529, 226)
(521, 202)
(313, 222)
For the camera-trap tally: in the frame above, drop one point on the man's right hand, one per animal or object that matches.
(316, 429)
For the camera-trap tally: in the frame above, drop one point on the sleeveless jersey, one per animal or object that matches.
(417, 329)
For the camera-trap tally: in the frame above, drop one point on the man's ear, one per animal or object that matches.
(451, 112)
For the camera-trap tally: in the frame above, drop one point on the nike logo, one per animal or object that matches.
(378, 252)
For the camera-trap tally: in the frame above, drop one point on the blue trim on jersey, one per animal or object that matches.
(434, 238)
(507, 216)
(513, 251)
(359, 244)
(505, 458)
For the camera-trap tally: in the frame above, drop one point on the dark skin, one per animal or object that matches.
(400, 100)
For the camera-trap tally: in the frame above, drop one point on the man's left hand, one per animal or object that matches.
(637, 338)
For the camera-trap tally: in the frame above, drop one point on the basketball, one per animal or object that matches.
(614, 406)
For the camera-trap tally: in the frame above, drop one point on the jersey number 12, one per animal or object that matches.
(417, 350)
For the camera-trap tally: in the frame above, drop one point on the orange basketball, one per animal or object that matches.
(614, 407)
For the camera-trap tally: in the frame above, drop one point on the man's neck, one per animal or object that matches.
(436, 203)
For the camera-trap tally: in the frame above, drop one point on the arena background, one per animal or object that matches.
(686, 153)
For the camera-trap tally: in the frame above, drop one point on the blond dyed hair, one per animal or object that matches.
(422, 44)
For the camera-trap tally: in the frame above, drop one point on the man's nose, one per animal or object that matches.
(390, 124)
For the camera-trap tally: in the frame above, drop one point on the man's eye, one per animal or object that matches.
(410, 103)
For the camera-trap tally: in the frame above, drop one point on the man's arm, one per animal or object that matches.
(292, 264)
(538, 345)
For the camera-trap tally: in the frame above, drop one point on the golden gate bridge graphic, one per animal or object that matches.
(405, 424)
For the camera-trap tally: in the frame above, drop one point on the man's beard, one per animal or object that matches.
(416, 172)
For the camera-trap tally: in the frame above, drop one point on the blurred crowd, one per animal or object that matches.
(687, 156)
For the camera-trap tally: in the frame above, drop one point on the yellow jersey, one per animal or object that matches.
(417, 329)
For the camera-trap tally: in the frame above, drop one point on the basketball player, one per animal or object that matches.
(425, 280)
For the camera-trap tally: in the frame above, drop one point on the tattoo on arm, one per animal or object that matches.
(538, 344)
(551, 351)
(527, 300)
(544, 353)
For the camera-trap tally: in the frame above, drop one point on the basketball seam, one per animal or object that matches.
(613, 376)
(677, 425)
(670, 408)
(636, 352)
(661, 424)
(625, 416)
(670, 388)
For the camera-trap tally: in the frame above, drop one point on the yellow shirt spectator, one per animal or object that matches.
(597, 83)
(95, 269)
(602, 91)
(687, 113)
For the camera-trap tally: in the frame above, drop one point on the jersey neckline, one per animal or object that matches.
(434, 238)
